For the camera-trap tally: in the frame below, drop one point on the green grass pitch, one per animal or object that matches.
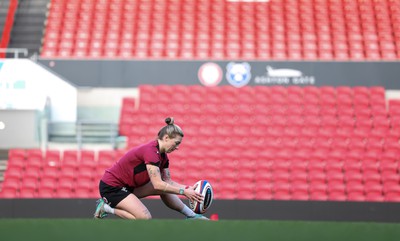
(229, 230)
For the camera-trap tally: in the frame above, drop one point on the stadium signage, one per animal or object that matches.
(122, 73)
(281, 76)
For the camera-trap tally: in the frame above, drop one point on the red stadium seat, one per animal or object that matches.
(392, 193)
(299, 177)
(47, 183)
(299, 191)
(355, 196)
(337, 192)
(355, 192)
(387, 168)
(45, 193)
(16, 161)
(35, 155)
(29, 182)
(67, 172)
(20, 153)
(246, 192)
(8, 192)
(373, 192)
(318, 191)
(70, 157)
(106, 156)
(50, 171)
(370, 167)
(223, 191)
(334, 166)
(85, 172)
(281, 191)
(390, 179)
(87, 156)
(14, 171)
(11, 183)
(316, 177)
(28, 193)
(32, 172)
(264, 192)
(353, 178)
(279, 176)
(334, 177)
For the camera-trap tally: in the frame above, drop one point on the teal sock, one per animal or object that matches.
(187, 211)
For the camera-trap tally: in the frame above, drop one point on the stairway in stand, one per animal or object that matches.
(28, 26)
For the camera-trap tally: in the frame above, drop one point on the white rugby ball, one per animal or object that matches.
(205, 188)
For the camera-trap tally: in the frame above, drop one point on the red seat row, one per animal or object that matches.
(219, 29)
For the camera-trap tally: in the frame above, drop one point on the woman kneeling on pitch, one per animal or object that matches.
(143, 171)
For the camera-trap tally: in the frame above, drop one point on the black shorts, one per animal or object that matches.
(113, 195)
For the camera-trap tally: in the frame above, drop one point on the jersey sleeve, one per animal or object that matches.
(151, 157)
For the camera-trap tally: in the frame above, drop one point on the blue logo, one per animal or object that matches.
(238, 74)
(1, 65)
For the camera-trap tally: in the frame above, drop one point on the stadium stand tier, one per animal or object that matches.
(255, 143)
(223, 29)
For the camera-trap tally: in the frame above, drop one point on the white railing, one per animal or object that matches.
(100, 130)
(16, 51)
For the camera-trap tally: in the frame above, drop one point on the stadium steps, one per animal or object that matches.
(3, 166)
(4, 4)
(28, 26)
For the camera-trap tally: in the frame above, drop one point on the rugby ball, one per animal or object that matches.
(205, 188)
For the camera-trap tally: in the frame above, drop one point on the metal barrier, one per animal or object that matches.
(16, 51)
(96, 130)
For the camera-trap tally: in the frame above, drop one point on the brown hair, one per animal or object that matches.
(170, 129)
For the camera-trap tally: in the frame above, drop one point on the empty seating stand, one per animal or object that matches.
(293, 143)
(221, 29)
(265, 143)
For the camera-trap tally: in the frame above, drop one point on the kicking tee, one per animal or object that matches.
(130, 170)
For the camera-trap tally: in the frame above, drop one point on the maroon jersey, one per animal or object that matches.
(130, 170)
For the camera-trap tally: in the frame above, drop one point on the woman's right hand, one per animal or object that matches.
(192, 195)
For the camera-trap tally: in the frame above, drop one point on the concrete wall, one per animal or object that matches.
(226, 209)
(20, 128)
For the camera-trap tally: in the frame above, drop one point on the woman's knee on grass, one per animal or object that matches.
(135, 207)
(146, 215)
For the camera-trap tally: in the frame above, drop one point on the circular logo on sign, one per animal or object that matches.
(238, 74)
(210, 74)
